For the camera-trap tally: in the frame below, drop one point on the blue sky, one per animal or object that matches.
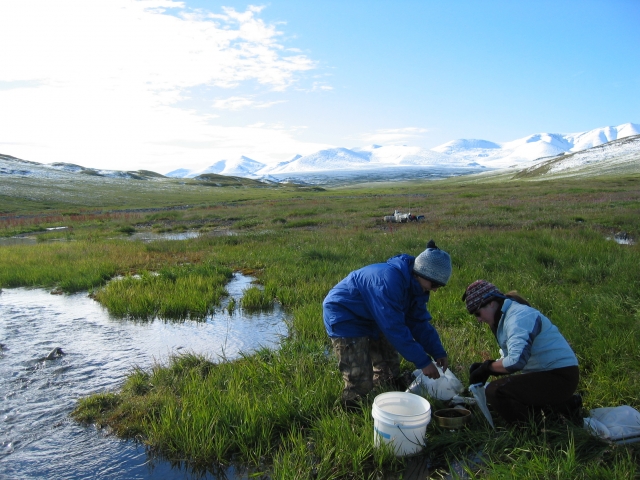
(162, 84)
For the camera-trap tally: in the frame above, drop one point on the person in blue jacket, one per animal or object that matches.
(529, 344)
(380, 310)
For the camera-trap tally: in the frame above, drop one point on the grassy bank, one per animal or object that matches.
(275, 410)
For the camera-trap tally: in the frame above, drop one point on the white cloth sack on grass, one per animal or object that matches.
(443, 388)
(618, 424)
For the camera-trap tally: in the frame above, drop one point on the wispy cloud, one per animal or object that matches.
(321, 86)
(393, 135)
(100, 81)
(238, 103)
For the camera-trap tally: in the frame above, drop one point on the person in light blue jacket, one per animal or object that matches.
(380, 310)
(529, 344)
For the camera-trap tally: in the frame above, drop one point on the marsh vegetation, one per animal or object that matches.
(276, 410)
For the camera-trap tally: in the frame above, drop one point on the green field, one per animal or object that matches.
(276, 411)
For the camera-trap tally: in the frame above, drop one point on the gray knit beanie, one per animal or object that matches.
(433, 264)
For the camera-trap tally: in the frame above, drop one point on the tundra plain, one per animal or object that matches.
(275, 411)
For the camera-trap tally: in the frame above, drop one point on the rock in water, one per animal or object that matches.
(55, 353)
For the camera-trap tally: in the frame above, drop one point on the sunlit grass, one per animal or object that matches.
(178, 292)
(275, 410)
(254, 299)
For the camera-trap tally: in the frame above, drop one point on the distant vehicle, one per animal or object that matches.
(398, 217)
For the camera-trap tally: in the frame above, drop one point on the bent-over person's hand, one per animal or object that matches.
(431, 371)
(443, 363)
(480, 373)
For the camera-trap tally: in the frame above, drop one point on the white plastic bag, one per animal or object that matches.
(481, 400)
(596, 428)
(618, 424)
(444, 388)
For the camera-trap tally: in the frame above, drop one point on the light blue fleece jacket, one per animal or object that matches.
(530, 342)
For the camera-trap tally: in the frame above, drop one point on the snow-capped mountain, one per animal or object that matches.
(241, 167)
(179, 173)
(601, 149)
(593, 138)
(457, 154)
(365, 158)
(615, 156)
(330, 159)
(525, 152)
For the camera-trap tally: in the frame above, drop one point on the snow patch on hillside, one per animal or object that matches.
(13, 166)
(240, 167)
(617, 153)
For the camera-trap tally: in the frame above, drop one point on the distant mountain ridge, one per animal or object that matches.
(457, 154)
(607, 150)
(13, 166)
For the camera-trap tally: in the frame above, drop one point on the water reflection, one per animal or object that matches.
(151, 236)
(28, 239)
(623, 238)
(37, 438)
(140, 236)
(6, 241)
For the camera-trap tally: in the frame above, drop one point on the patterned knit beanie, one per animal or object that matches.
(479, 293)
(433, 264)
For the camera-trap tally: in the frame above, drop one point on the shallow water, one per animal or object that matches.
(622, 241)
(6, 241)
(140, 236)
(151, 236)
(29, 239)
(37, 438)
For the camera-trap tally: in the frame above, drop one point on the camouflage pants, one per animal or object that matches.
(364, 363)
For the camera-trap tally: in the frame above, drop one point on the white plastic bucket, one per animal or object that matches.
(400, 418)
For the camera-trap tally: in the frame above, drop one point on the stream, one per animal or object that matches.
(37, 437)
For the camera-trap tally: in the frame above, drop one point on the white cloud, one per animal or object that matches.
(238, 103)
(393, 135)
(98, 82)
(321, 86)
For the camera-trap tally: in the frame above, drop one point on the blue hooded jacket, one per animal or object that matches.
(530, 342)
(385, 298)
